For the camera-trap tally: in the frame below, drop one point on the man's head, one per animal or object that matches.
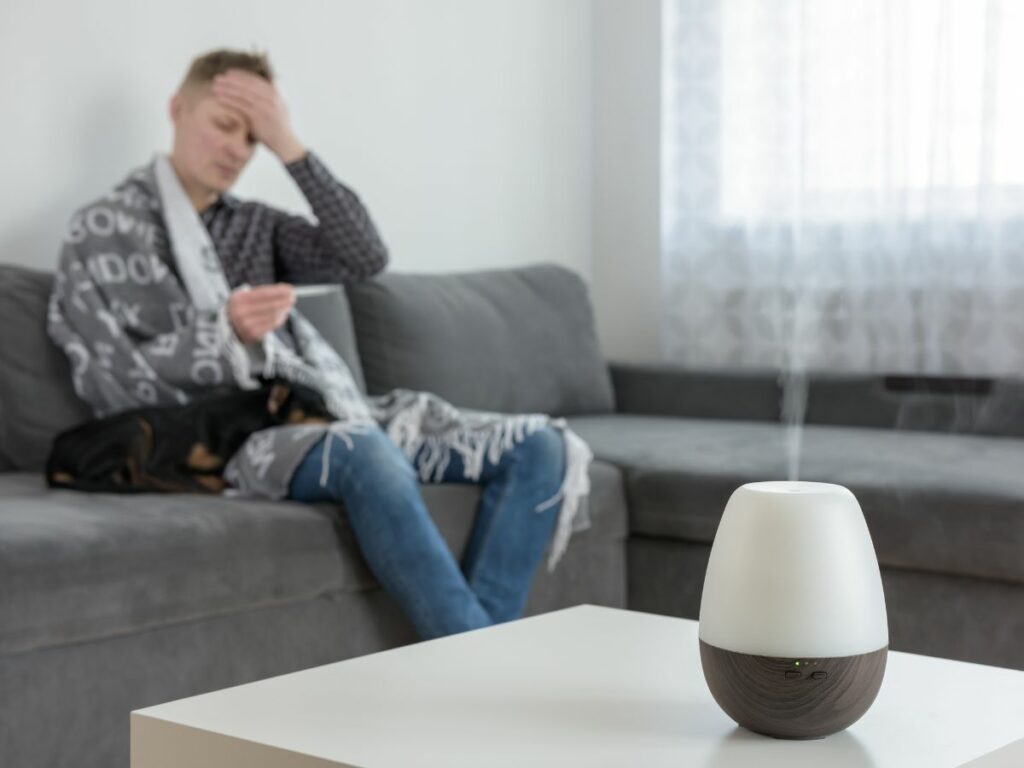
(212, 140)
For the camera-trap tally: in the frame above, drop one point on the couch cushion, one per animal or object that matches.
(77, 566)
(517, 340)
(940, 503)
(35, 380)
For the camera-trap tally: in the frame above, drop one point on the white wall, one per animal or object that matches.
(464, 124)
(625, 276)
(481, 133)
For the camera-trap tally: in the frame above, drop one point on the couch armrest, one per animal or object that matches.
(666, 390)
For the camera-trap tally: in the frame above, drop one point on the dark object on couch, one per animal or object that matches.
(175, 449)
(110, 603)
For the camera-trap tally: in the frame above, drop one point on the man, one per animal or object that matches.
(169, 288)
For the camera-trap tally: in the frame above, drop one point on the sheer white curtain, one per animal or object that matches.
(843, 185)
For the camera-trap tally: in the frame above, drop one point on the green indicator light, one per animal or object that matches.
(797, 663)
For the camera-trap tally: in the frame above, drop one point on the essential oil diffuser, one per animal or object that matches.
(793, 632)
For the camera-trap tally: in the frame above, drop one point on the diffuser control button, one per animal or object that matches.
(819, 675)
(792, 674)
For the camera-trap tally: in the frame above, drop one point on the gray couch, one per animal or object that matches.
(110, 603)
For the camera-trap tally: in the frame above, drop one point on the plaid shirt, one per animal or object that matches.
(258, 244)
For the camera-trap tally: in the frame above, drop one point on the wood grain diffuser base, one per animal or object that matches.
(793, 630)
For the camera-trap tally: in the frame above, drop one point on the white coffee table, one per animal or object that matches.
(586, 686)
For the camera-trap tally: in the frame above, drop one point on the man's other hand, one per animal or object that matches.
(255, 312)
(261, 102)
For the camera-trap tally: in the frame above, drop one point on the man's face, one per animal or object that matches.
(212, 142)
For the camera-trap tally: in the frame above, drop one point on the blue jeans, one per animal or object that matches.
(402, 546)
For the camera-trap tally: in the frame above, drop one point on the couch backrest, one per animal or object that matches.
(513, 340)
(37, 399)
(955, 405)
(332, 316)
(516, 341)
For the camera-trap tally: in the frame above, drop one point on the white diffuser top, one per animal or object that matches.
(793, 573)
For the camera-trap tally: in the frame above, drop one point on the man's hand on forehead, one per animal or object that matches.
(261, 103)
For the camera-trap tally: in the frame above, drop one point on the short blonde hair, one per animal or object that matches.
(204, 68)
